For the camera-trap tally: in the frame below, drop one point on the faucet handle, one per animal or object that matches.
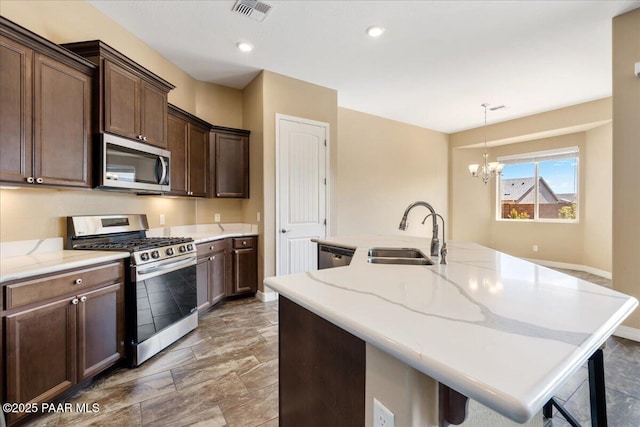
(443, 253)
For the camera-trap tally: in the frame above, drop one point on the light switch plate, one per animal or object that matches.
(216, 217)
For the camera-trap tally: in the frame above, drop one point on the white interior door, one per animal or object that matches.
(302, 192)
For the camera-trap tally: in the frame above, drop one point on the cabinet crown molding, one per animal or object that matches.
(98, 48)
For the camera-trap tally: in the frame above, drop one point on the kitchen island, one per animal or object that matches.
(497, 329)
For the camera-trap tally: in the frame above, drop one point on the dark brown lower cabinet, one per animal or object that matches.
(211, 273)
(322, 371)
(244, 258)
(53, 345)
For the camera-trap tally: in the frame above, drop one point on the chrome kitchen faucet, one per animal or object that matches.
(435, 242)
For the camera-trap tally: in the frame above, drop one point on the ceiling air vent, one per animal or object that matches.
(252, 8)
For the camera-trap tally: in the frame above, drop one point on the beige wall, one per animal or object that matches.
(597, 216)
(383, 166)
(67, 21)
(253, 119)
(297, 98)
(40, 213)
(626, 158)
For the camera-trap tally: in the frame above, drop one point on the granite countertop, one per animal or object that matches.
(27, 258)
(500, 330)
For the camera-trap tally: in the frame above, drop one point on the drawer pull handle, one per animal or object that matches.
(244, 242)
(78, 282)
(83, 299)
(30, 180)
(211, 258)
(39, 180)
(75, 301)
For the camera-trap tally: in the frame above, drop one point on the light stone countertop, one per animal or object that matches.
(28, 258)
(500, 330)
(206, 232)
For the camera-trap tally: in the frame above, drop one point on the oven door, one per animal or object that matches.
(163, 306)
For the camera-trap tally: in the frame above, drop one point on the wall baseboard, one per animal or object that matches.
(267, 296)
(578, 267)
(628, 333)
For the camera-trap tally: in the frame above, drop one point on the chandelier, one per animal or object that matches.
(487, 169)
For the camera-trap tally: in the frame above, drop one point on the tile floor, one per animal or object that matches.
(226, 374)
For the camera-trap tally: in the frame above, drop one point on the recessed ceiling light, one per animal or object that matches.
(245, 46)
(375, 31)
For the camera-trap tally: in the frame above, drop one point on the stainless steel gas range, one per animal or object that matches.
(160, 293)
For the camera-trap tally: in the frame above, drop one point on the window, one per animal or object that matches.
(540, 186)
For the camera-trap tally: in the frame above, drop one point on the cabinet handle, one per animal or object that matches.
(139, 137)
(39, 180)
(77, 282)
(284, 230)
(83, 299)
(144, 138)
(30, 180)
(211, 258)
(75, 301)
(244, 243)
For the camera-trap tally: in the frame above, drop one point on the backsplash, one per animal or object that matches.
(28, 213)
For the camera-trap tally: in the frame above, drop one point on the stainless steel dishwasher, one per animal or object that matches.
(333, 256)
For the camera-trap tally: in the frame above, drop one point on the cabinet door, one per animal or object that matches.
(202, 282)
(100, 329)
(198, 139)
(15, 111)
(153, 115)
(217, 277)
(244, 271)
(177, 135)
(41, 352)
(121, 98)
(231, 166)
(62, 110)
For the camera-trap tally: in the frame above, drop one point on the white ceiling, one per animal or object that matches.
(433, 67)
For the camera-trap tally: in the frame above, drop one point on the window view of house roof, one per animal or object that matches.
(521, 191)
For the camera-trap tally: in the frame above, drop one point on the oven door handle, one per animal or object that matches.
(147, 273)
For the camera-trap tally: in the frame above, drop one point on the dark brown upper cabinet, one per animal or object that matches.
(229, 162)
(45, 111)
(188, 140)
(132, 100)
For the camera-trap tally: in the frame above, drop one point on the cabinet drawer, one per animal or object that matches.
(204, 249)
(77, 281)
(244, 242)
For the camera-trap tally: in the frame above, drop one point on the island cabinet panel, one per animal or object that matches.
(60, 330)
(188, 142)
(229, 163)
(45, 111)
(132, 100)
(322, 371)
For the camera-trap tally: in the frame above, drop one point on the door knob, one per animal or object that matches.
(284, 230)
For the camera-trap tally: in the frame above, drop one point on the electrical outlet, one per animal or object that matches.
(535, 248)
(382, 417)
(161, 219)
(258, 217)
(216, 217)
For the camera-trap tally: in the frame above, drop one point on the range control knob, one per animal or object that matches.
(155, 254)
(190, 246)
(144, 256)
(170, 251)
(182, 249)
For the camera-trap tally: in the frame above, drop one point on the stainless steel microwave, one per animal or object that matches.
(127, 165)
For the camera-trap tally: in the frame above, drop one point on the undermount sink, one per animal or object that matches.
(404, 256)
